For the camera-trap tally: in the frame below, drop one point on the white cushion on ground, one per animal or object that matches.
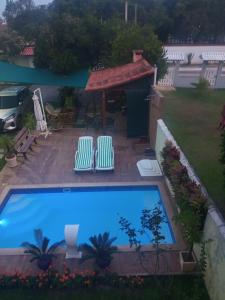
(149, 167)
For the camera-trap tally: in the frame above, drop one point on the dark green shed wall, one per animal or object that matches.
(138, 107)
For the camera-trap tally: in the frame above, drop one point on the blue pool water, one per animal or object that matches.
(96, 210)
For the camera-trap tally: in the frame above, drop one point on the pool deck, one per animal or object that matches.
(51, 163)
(123, 264)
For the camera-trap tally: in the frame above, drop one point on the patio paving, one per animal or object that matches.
(51, 162)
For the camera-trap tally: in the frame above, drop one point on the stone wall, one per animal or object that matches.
(214, 228)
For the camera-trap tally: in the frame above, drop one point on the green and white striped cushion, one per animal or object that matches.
(104, 158)
(85, 153)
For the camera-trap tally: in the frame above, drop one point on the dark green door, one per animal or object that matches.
(137, 113)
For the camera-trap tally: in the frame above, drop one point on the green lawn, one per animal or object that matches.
(184, 288)
(193, 120)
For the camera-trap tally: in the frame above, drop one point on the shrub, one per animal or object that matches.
(69, 280)
(202, 86)
(188, 195)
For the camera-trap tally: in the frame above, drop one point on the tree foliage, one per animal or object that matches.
(134, 37)
(72, 33)
(67, 43)
(23, 17)
(11, 43)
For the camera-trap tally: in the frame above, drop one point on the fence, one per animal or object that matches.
(186, 76)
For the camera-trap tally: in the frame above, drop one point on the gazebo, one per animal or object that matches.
(134, 81)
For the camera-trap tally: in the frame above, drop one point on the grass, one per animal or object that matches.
(193, 119)
(179, 288)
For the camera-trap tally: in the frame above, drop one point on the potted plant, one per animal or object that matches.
(6, 143)
(190, 223)
(100, 250)
(41, 252)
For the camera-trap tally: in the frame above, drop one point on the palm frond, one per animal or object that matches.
(30, 246)
(33, 252)
(88, 248)
(110, 241)
(86, 257)
(54, 246)
(44, 245)
(105, 236)
(94, 240)
(34, 258)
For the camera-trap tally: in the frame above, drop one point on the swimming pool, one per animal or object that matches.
(96, 209)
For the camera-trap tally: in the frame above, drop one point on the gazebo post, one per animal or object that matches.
(103, 109)
(176, 71)
(203, 70)
(219, 72)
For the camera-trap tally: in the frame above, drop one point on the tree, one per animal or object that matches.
(68, 43)
(11, 43)
(135, 37)
(15, 8)
(25, 18)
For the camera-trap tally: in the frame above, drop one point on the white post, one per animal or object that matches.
(155, 75)
(126, 11)
(135, 14)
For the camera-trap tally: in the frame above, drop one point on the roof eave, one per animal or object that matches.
(109, 86)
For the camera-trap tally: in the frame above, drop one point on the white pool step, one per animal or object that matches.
(149, 167)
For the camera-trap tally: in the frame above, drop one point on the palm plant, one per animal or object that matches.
(41, 251)
(101, 249)
(7, 144)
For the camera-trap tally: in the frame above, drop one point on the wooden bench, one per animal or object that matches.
(24, 141)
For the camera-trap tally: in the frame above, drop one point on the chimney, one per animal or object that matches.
(137, 55)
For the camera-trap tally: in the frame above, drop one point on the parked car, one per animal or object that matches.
(15, 101)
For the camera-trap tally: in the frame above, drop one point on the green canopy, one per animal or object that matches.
(16, 74)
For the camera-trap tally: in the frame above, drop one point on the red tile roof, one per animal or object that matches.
(27, 51)
(112, 77)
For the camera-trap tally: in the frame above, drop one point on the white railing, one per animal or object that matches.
(168, 79)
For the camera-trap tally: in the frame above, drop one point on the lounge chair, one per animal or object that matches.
(84, 157)
(104, 156)
(51, 111)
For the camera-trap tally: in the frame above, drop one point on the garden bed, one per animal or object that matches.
(179, 287)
